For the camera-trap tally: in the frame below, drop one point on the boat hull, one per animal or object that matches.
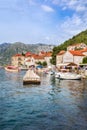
(68, 76)
(11, 70)
(31, 82)
(61, 78)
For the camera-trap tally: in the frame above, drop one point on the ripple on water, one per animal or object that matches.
(52, 105)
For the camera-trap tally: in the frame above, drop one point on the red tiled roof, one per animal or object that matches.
(16, 55)
(76, 53)
(84, 50)
(61, 52)
(48, 54)
(28, 54)
(45, 54)
(39, 57)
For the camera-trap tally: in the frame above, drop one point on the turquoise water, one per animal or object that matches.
(53, 105)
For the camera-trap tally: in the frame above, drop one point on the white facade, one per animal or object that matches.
(47, 59)
(78, 59)
(59, 59)
(85, 53)
(68, 57)
(29, 61)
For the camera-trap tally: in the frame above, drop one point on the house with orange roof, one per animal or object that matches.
(48, 57)
(39, 58)
(28, 54)
(33, 59)
(71, 56)
(29, 59)
(17, 60)
(59, 57)
(30, 62)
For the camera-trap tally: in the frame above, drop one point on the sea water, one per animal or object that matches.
(52, 105)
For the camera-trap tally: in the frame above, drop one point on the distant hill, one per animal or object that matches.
(7, 50)
(79, 38)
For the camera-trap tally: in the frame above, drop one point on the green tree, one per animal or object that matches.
(39, 63)
(44, 63)
(84, 60)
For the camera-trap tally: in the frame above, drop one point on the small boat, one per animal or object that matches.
(31, 78)
(68, 76)
(57, 74)
(12, 69)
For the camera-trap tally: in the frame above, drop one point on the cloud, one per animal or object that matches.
(71, 26)
(47, 8)
(75, 19)
(39, 22)
(81, 8)
(77, 5)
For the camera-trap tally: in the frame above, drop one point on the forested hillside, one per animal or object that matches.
(79, 38)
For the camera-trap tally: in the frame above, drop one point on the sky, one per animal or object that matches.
(41, 21)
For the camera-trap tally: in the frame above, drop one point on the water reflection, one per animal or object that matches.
(13, 76)
(52, 105)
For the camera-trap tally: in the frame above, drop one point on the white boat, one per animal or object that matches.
(57, 74)
(68, 76)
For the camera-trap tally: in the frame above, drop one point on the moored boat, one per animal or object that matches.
(12, 69)
(68, 76)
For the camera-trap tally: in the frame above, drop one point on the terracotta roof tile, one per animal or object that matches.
(36, 56)
(76, 53)
(61, 52)
(28, 54)
(48, 54)
(17, 55)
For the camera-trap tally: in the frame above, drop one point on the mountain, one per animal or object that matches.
(79, 38)
(7, 50)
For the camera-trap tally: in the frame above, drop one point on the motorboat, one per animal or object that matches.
(68, 76)
(12, 69)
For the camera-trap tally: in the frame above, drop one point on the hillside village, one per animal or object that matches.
(31, 59)
(74, 55)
